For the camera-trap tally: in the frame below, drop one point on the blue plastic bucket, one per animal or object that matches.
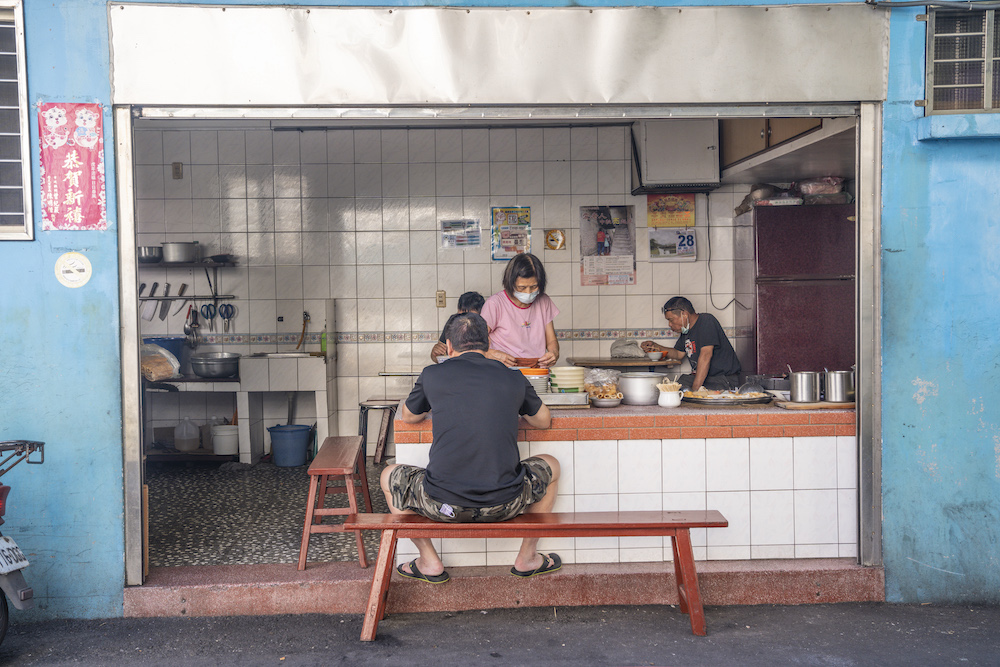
(289, 444)
(172, 344)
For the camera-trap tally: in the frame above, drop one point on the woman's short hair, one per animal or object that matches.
(467, 331)
(524, 265)
(471, 302)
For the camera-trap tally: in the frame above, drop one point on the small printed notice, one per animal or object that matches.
(72, 166)
(607, 245)
(676, 210)
(511, 231)
(463, 233)
(673, 244)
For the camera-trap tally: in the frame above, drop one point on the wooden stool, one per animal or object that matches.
(338, 457)
(387, 404)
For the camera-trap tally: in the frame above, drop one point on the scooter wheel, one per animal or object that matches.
(3, 617)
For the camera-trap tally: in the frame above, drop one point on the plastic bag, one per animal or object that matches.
(158, 363)
(826, 185)
(601, 382)
(626, 348)
(835, 198)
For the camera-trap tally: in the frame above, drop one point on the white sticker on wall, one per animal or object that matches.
(73, 269)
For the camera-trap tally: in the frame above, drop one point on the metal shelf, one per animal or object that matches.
(189, 297)
(185, 265)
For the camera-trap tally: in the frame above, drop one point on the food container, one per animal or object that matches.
(655, 356)
(640, 388)
(804, 386)
(215, 364)
(840, 386)
(225, 440)
(150, 254)
(176, 252)
(605, 402)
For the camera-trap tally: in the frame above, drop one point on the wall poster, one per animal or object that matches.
(674, 210)
(607, 245)
(670, 219)
(72, 166)
(462, 233)
(511, 231)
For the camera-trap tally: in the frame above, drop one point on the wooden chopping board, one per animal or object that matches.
(819, 405)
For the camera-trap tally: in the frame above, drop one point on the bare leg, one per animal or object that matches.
(428, 562)
(528, 557)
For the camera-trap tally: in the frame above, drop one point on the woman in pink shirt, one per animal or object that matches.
(520, 317)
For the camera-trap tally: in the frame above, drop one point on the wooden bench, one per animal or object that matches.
(341, 458)
(676, 525)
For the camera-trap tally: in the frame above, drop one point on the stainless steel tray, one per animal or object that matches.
(567, 398)
(722, 402)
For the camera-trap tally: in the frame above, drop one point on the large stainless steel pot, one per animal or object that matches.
(181, 251)
(215, 364)
(840, 386)
(640, 388)
(804, 386)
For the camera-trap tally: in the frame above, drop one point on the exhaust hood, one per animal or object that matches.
(675, 155)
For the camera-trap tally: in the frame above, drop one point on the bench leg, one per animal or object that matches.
(323, 479)
(307, 530)
(352, 501)
(380, 585)
(687, 581)
(383, 433)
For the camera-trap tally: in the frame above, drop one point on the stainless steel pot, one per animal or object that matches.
(640, 388)
(215, 364)
(186, 251)
(840, 386)
(804, 386)
(150, 254)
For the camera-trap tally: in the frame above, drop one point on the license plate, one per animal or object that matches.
(11, 557)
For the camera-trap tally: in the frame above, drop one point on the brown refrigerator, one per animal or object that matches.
(795, 268)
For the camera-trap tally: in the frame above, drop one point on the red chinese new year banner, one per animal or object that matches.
(72, 151)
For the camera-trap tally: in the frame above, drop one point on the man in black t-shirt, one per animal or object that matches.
(703, 342)
(474, 472)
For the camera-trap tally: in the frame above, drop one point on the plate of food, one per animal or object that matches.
(709, 397)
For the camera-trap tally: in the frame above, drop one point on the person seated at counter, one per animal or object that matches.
(474, 472)
(470, 302)
(520, 316)
(705, 345)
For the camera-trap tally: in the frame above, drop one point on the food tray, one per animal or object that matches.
(722, 402)
(564, 398)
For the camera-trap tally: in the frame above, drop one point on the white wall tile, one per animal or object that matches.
(642, 478)
(595, 467)
(816, 519)
(847, 516)
(772, 551)
(563, 452)
(684, 467)
(727, 464)
(772, 517)
(817, 551)
(815, 462)
(770, 463)
(847, 462)
(735, 506)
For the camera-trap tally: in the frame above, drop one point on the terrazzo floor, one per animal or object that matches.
(238, 514)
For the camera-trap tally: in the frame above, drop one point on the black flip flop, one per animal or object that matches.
(414, 573)
(550, 563)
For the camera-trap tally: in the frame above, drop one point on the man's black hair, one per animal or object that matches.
(471, 302)
(524, 265)
(467, 331)
(679, 303)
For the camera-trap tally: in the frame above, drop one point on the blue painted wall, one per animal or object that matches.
(59, 355)
(941, 278)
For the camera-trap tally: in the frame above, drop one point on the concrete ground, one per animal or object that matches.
(828, 634)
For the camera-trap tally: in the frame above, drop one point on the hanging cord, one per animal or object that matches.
(711, 297)
(305, 321)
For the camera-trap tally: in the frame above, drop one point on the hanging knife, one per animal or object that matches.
(149, 308)
(165, 306)
(180, 292)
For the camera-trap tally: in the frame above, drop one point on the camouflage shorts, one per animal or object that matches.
(407, 486)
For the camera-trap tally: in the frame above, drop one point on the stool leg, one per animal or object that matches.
(307, 530)
(323, 479)
(363, 477)
(383, 433)
(352, 500)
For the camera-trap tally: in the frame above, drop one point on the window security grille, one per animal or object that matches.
(963, 62)
(15, 173)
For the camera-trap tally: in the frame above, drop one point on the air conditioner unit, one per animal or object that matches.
(675, 155)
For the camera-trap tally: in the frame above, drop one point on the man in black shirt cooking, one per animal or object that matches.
(474, 471)
(703, 342)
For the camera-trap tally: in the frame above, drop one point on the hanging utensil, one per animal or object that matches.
(195, 339)
(149, 308)
(142, 288)
(165, 306)
(208, 312)
(180, 292)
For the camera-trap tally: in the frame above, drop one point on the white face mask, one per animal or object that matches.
(685, 328)
(526, 297)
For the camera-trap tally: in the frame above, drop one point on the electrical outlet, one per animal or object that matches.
(441, 298)
(177, 170)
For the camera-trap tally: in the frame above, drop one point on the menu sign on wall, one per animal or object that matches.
(511, 231)
(72, 166)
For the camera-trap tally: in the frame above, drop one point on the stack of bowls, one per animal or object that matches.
(537, 378)
(566, 378)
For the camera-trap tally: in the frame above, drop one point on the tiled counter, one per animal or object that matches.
(785, 479)
(261, 380)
